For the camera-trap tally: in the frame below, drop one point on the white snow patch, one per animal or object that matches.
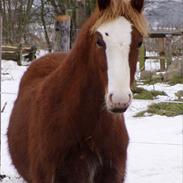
(169, 90)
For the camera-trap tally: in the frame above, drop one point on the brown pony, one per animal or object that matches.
(67, 124)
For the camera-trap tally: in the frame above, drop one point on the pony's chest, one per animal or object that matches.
(81, 163)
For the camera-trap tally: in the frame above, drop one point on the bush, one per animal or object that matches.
(143, 94)
(163, 109)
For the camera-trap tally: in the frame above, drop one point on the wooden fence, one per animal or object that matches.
(18, 53)
(165, 44)
(62, 35)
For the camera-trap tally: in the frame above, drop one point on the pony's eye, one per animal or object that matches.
(100, 43)
(139, 44)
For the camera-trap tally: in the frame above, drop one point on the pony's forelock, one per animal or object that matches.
(122, 8)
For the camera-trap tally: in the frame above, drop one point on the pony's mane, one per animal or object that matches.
(122, 8)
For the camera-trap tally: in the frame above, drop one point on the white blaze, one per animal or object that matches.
(117, 37)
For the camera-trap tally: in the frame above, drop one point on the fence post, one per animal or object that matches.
(142, 57)
(19, 55)
(32, 54)
(168, 49)
(62, 33)
(71, 12)
(162, 54)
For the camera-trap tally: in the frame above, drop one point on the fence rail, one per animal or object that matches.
(18, 53)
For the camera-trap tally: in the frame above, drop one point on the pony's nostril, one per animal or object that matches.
(110, 97)
(130, 95)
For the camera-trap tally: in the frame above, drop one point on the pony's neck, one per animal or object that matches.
(76, 87)
(79, 90)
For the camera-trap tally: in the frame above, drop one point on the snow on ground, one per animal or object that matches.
(154, 153)
(170, 90)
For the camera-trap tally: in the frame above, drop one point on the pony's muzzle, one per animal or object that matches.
(118, 103)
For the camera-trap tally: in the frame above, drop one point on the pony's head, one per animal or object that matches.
(118, 34)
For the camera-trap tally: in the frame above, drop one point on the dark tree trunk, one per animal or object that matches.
(44, 25)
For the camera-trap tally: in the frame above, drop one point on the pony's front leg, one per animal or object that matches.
(78, 168)
(110, 175)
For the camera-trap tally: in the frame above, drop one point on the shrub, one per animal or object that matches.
(163, 109)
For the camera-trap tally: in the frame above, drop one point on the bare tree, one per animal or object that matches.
(59, 6)
(16, 16)
(42, 13)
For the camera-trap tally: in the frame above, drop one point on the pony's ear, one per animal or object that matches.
(103, 4)
(138, 5)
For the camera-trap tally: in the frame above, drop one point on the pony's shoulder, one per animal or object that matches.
(51, 59)
(42, 67)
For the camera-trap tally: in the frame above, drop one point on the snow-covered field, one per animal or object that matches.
(155, 150)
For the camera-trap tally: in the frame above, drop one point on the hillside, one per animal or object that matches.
(164, 13)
